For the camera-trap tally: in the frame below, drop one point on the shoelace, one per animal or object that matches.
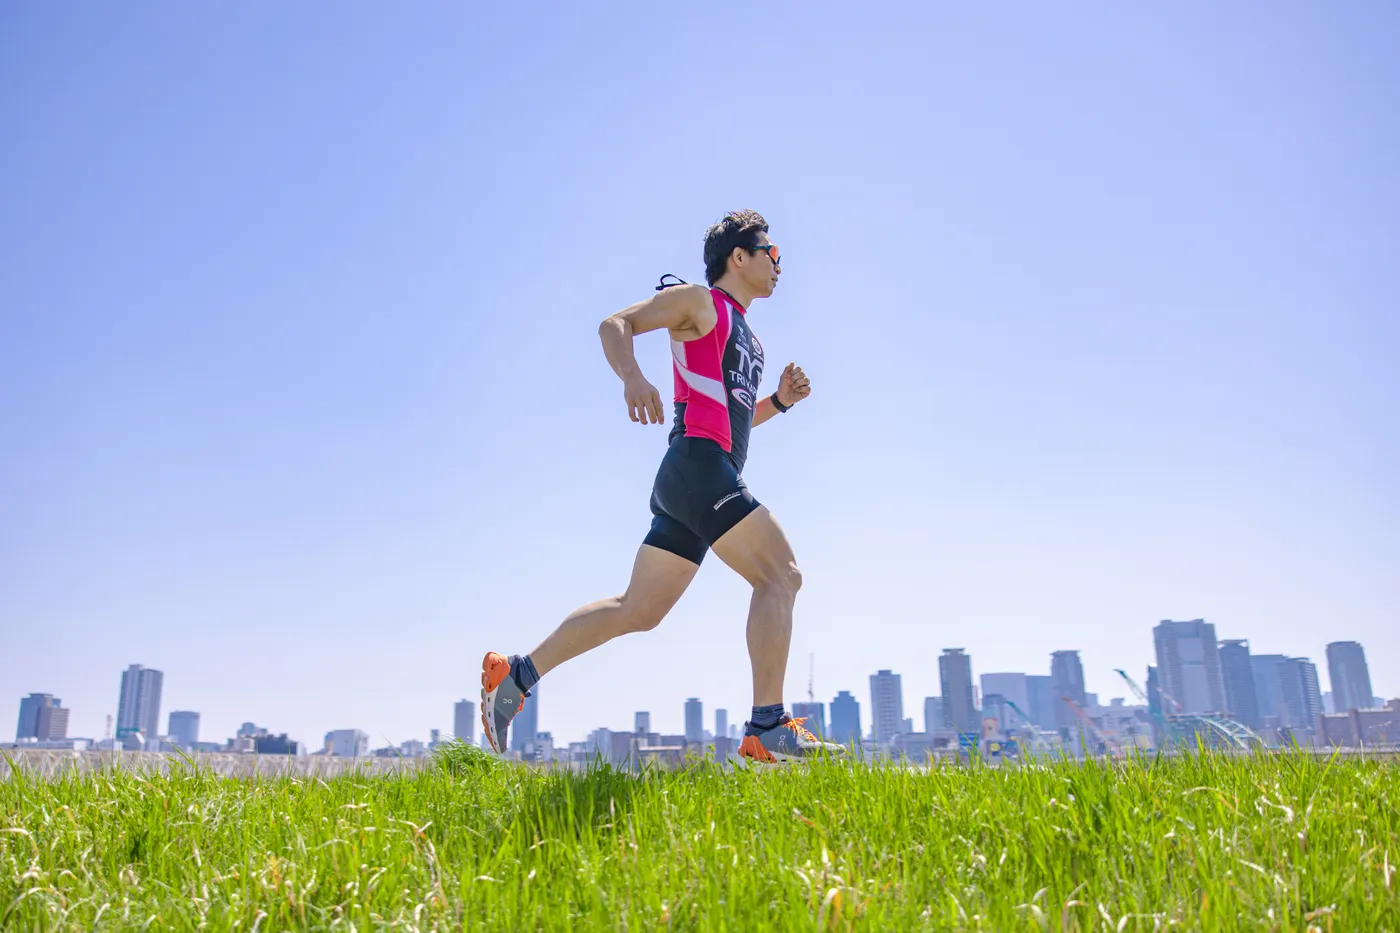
(795, 724)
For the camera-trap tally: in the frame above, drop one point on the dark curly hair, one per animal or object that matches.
(738, 228)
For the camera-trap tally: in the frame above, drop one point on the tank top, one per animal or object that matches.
(717, 378)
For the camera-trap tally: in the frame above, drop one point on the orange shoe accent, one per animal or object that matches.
(751, 747)
(494, 668)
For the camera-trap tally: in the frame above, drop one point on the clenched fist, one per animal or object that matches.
(643, 401)
(794, 385)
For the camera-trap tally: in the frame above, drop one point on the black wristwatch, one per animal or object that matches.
(777, 404)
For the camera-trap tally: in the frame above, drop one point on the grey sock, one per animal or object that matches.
(766, 717)
(523, 670)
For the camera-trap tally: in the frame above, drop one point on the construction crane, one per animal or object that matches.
(811, 676)
(1105, 744)
(1038, 743)
(1183, 728)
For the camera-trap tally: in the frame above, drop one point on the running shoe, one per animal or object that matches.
(501, 699)
(788, 741)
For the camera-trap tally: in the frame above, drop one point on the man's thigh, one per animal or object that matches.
(659, 579)
(756, 548)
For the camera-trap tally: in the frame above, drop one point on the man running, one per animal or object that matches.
(699, 501)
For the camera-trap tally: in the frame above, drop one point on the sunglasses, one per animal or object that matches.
(772, 250)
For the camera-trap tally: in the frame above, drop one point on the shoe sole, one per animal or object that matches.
(492, 676)
(752, 749)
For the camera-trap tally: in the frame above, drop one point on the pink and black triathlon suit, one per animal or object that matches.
(699, 492)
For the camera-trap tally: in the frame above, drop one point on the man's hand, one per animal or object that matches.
(643, 401)
(794, 386)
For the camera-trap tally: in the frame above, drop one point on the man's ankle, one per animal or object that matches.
(765, 717)
(523, 670)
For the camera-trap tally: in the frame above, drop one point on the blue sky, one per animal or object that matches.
(303, 401)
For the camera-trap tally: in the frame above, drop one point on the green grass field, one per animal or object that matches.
(1275, 842)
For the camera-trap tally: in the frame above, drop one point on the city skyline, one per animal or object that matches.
(1282, 690)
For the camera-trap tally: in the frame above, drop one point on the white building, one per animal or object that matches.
(347, 743)
(138, 706)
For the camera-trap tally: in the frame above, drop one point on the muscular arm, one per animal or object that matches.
(763, 410)
(793, 387)
(679, 310)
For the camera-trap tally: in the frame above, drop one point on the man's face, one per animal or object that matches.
(757, 269)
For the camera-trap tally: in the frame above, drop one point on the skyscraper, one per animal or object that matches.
(933, 715)
(42, 718)
(955, 684)
(1013, 687)
(526, 725)
(1351, 679)
(1188, 667)
(1154, 691)
(53, 723)
(1301, 696)
(845, 719)
(1267, 688)
(183, 729)
(722, 723)
(641, 722)
(814, 713)
(32, 724)
(886, 705)
(464, 720)
(1241, 699)
(694, 720)
(1067, 680)
(1040, 691)
(138, 707)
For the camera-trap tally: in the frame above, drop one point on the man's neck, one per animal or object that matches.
(735, 289)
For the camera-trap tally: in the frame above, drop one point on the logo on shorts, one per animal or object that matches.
(743, 396)
(732, 495)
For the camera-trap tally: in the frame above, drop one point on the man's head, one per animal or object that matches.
(738, 246)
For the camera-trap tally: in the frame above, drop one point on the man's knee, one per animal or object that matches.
(637, 615)
(784, 579)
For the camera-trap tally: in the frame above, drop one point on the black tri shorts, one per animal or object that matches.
(697, 497)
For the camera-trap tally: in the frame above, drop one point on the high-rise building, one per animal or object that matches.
(1351, 679)
(1154, 692)
(53, 723)
(183, 729)
(641, 722)
(933, 715)
(526, 725)
(1066, 681)
(1241, 700)
(1301, 696)
(1188, 666)
(1268, 688)
(1012, 687)
(342, 743)
(955, 685)
(694, 720)
(41, 717)
(464, 720)
(138, 707)
(845, 719)
(814, 713)
(1040, 692)
(722, 723)
(886, 706)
